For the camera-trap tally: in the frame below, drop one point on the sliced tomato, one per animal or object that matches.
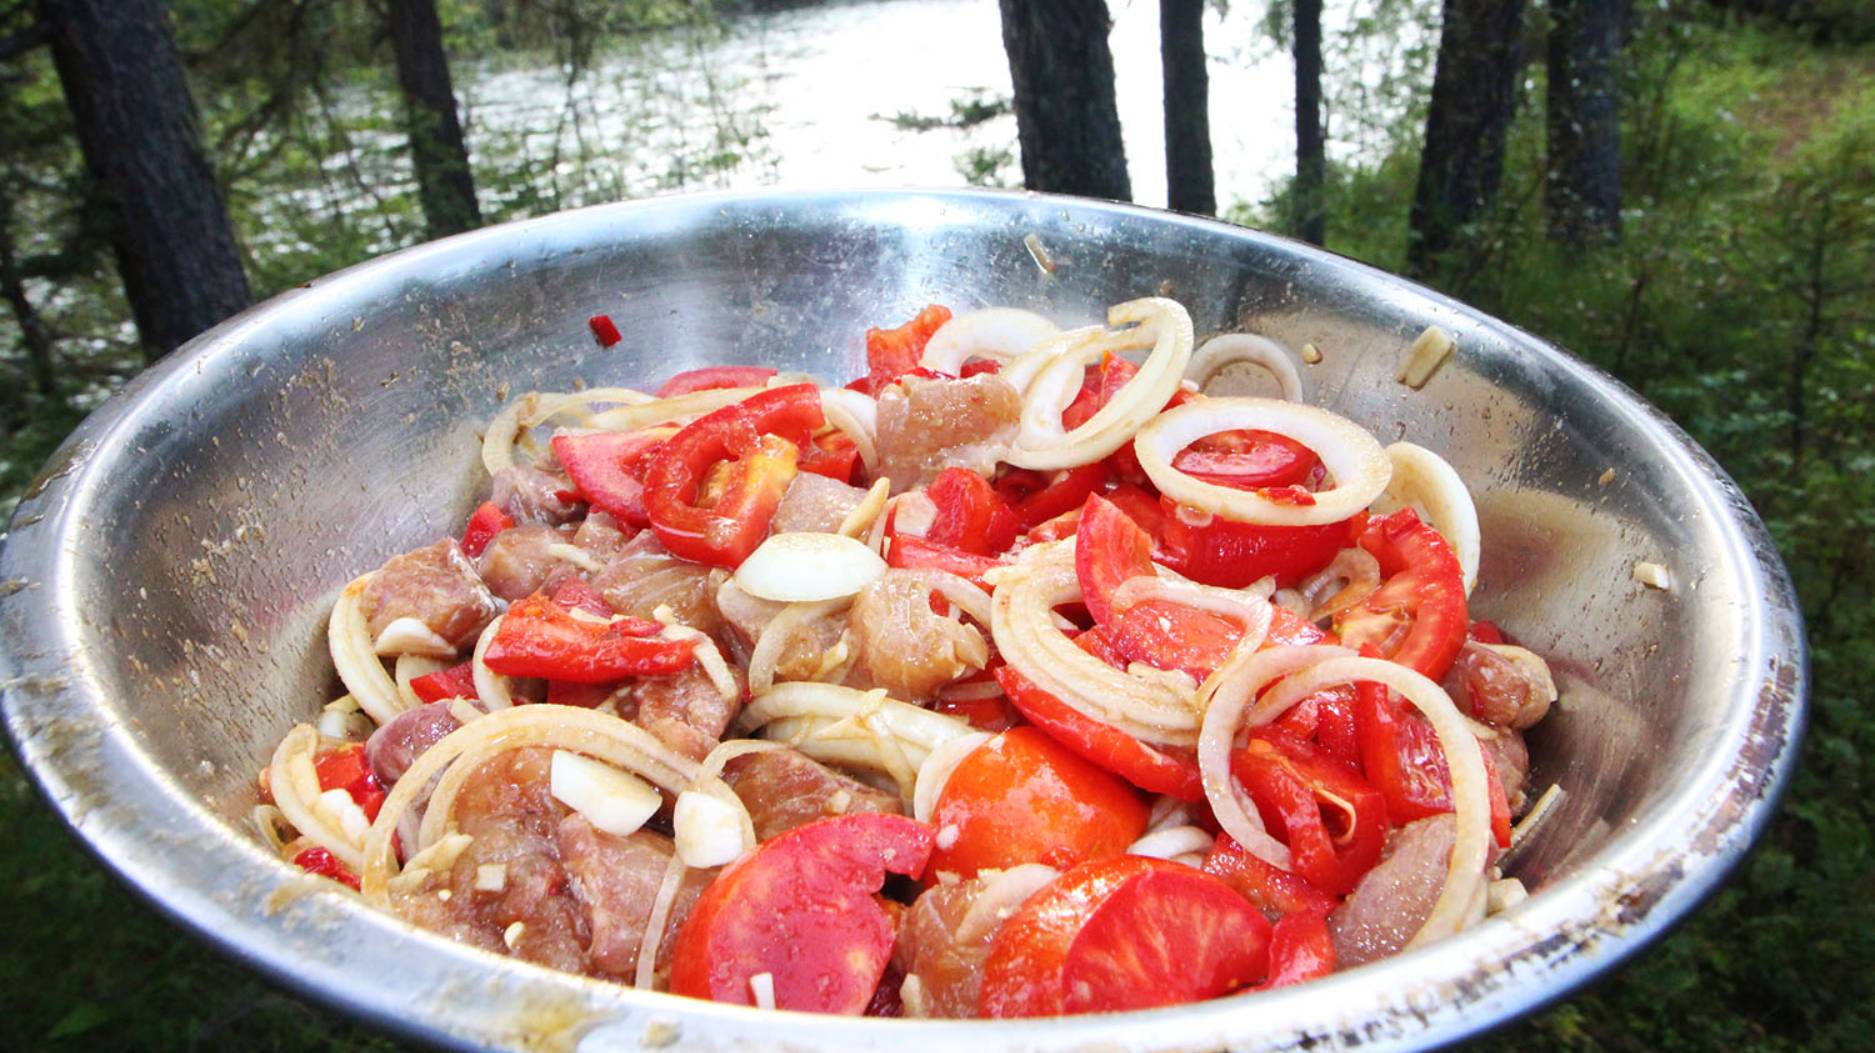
(1273, 890)
(1248, 460)
(346, 768)
(487, 521)
(320, 860)
(1327, 719)
(711, 378)
(971, 515)
(458, 681)
(832, 454)
(760, 438)
(1099, 386)
(1022, 797)
(608, 469)
(1167, 635)
(915, 553)
(1036, 498)
(801, 908)
(992, 713)
(1301, 949)
(1293, 786)
(892, 353)
(1123, 933)
(1155, 770)
(1143, 506)
(1288, 628)
(539, 638)
(1417, 616)
(1109, 550)
(603, 329)
(1232, 555)
(1487, 632)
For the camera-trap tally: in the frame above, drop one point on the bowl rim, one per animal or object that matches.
(86, 762)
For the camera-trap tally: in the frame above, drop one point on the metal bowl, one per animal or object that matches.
(164, 589)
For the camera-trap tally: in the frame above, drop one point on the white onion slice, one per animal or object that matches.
(936, 771)
(1000, 334)
(349, 640)
(495, 690)
(805, 567)
(1000, 898)
(1021, 373)
(857, 414)
(1358, 465)
(1221, 352)
(1042, 442)
(1171, 842)
(612, 800)
(410, 636)
(1424, 481)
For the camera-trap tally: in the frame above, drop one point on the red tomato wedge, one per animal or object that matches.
(458, 681)
(487, 521)
(892, 353)
(802, 909)
(1248, 460)
(757, 440)
(1417, 616)
(608, 469)
(710, 378)
(1272, 889)
(971, 515)
(1097, 389)
(1022, 797)
(1402, 758)
(1147, 767)
(1232, 555)
(1300, 949)
(832, 454)
(537, 637)
(1124, 933)
(1109, 549)
(1167, 635)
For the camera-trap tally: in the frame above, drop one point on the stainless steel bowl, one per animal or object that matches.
(164, 588)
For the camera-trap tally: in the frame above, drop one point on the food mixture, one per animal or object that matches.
(1018, 677)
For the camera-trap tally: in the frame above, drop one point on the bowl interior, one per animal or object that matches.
(179, 567)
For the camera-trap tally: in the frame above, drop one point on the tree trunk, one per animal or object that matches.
(444, 181)
(1190, 185)
(1473, 99)
(137, 126)
(1582, 191)
(1310, 218)
(34, 335)
(1066, 119)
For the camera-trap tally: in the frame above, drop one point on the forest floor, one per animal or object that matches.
(1751, 200)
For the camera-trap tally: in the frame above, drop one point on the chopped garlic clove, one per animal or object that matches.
(1652, 575)
(1424, 358)
(708, 830)
(616, 802)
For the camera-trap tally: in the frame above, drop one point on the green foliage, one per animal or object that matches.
(1741, 300)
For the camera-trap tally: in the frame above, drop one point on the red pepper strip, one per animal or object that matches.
(487, 521)
(971, 515)
(832, 454)
(1300, 950)
(539, 638)
(1063, 525)
(1034, 506)
(980, 365)
(458, 681)
(1275, 891)
(1290, 784)
(603, 330)
(711, 378)
(575, 594)
(608, 469)
(347, 769)
(1151, 769)
(1401, 755)
(915, 553)
(892, 353)
(317, 860)
(1109, 550)
(724, 532)
(1417, 616)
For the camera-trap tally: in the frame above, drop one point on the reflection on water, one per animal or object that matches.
(799, 98)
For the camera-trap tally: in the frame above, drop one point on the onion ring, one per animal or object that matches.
(1221, 352)
(1043, 443)
(1000, 334)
